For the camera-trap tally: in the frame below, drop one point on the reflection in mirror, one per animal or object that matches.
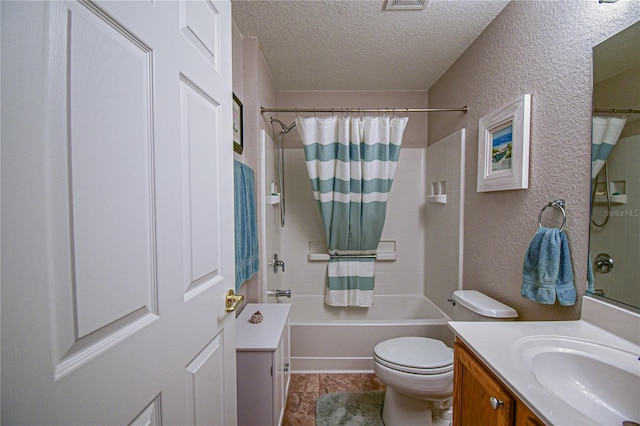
(615, 193)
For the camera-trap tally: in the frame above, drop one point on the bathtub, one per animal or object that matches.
(331, 339)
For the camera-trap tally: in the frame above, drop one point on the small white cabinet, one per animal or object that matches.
(263, 354)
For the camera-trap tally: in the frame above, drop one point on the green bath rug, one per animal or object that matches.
(350, 409)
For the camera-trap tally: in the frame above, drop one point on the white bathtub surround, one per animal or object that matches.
(351, 163)
(404, 226)
(444, 221)
(386, 251)
(270, 218)
(333, 339)
(619, 237)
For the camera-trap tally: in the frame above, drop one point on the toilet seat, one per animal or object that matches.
(417, 355)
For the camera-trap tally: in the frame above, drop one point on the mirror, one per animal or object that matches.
(614, 244)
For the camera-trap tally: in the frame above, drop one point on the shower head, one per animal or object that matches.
(285, 128)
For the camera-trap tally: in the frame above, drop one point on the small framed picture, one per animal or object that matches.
(503, 147)
(238, 144)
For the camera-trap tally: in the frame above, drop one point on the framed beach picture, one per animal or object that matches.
(503, 147)
(238, 144)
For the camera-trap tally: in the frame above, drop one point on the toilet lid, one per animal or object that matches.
(419, 355)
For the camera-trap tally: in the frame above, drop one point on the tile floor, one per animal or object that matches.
(304, 389)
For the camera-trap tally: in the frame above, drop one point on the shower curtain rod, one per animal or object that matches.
(616, 111)
(339, 110)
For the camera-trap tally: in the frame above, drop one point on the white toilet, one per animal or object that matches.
(418, 371)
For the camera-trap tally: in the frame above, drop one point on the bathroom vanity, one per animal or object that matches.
(481, 398)
(583, 372)
(262, 355)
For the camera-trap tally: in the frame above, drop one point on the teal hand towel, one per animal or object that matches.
(590, 280)
(547, 272)
(565, 287)
(541, 266)
(246, 229)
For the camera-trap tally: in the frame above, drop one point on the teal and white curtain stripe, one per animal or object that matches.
(351, 162)
(606, 131)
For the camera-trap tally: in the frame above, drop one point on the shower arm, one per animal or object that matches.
(285, 128)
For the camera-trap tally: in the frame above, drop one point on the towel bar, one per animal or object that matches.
(558, 204)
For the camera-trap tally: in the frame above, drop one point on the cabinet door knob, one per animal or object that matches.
(495, 402)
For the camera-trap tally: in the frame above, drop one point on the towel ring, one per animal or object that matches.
(558, 204)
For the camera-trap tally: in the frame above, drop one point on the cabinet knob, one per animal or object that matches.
(495, 402)
(286, 367)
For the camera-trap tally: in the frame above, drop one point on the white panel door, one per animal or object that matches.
(117, 213)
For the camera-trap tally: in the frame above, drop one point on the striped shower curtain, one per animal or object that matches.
(605, 134)
(351, 162)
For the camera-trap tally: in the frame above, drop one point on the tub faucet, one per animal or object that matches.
(279, 293)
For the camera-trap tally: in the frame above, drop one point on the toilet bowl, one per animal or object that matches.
(418, 371)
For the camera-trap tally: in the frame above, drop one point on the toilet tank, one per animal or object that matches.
(471, 305)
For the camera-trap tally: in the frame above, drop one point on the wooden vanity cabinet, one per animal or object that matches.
(480, 398)
(262, 358)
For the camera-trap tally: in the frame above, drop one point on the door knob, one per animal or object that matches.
(232, 301)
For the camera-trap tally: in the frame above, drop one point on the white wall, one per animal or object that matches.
(252, 84)
(405, 224)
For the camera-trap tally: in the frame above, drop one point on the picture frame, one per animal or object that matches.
(238, 140)
(503, 147)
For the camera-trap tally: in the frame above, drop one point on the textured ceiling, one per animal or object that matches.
(355, 45)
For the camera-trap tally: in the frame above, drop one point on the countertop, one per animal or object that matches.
(263, 336)
(494, 344)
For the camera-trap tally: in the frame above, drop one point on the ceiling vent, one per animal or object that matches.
(405, 4)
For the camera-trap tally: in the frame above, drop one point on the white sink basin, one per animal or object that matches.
(601, 382)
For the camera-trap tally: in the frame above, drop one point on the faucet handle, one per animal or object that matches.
(276, 263)
(604, 263)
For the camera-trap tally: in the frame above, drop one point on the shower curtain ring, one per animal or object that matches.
(407, 113)
(314, 113)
